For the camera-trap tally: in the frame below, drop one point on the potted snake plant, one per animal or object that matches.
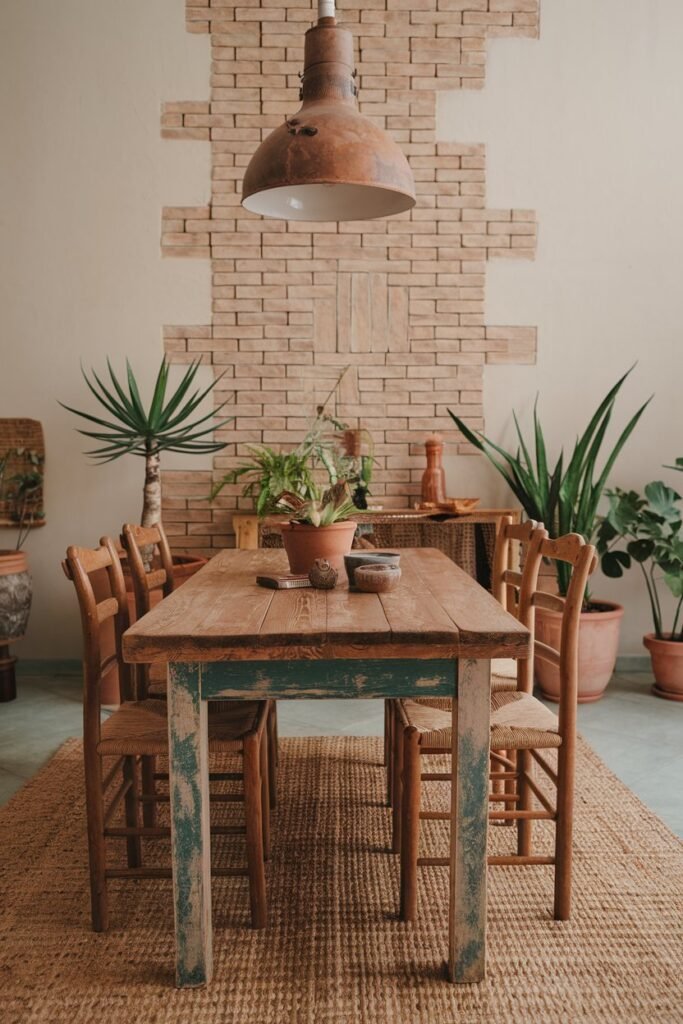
(565, 498)
(647, 532)
(318, 527)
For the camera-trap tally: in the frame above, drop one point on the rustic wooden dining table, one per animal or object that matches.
(224, 637)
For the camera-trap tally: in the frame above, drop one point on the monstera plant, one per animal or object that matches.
(647, 531)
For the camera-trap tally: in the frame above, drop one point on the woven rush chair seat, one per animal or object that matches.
(141, 727)
(518, 721)
(503, 675)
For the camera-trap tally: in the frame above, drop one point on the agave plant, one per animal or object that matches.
(564, 498)
(166, 425)
(322, 509)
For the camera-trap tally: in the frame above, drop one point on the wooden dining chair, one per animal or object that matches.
(512, 541)
(138, 729)
(521, 726)
(159, 578)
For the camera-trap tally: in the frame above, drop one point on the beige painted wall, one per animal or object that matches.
(584, 125)
(581, 125)
(83, 177)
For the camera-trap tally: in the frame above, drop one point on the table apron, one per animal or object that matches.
(371, 678)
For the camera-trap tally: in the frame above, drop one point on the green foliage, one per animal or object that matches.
(267, 474)
(564, 498)
(322, 509)
(20, 494)
(678, 465)
(130, 429)
(648, 532)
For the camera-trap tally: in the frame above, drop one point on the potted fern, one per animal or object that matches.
(318, 527)
(647, 532)
(565, 497)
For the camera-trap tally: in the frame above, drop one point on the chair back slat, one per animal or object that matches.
(546, 653)
(79, 566)
(138, 541)
(553, 602)
(506, 577)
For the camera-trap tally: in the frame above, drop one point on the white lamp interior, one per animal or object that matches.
(328, 202)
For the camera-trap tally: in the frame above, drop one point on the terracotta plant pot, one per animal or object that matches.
(304, 543)
(667, 666)
(15, 595)
(598, 646)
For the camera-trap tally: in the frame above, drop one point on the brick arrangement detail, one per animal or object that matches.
(401, 301)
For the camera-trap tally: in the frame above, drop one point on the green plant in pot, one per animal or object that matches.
(21, 501)
(266, 473)
(318, 527)
(169, 423)
(646, 531)
(565, 497)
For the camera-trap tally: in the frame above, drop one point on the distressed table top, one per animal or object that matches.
(437, 611)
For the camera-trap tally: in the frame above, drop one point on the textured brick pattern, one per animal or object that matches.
(401, 300)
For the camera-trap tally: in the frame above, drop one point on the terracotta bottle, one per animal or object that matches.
(434, 476)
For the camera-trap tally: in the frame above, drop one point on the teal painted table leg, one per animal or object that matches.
(190, 838)
(469, 821)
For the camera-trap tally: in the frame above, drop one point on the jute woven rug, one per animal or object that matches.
(335, 952)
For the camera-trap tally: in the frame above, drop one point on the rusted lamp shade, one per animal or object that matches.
(328, 162)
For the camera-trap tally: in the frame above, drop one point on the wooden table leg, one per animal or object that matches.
(190, 837)
(469, 819)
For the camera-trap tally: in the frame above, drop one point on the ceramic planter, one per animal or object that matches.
(304, 543)
(667, 666)
(598, 646)
(15, 595)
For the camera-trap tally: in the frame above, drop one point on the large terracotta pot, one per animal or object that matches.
(667, 666)
(598, 646)
(304, 543)
(15, 595)
(184, 566)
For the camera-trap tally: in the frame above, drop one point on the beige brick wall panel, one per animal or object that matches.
(401, 300)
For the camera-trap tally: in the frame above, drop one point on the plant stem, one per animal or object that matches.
(151, 504)
(654, 603)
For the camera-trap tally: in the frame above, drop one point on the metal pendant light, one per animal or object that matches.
(328, 162)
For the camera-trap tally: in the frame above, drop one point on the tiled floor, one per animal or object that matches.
(639, 736)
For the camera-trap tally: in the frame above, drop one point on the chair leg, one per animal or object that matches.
(389, 747)
(410, 826)
(510, 786)
(253, 812)
(265, 793)
(524, 768)
(397, 744)
(149, 808)
(563, 835)
(132, 806)
(97, 854)
(273, 754)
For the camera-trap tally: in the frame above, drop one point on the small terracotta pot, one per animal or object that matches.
(667, 666)
(15, 595)
(304, 543)
(598, 646)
